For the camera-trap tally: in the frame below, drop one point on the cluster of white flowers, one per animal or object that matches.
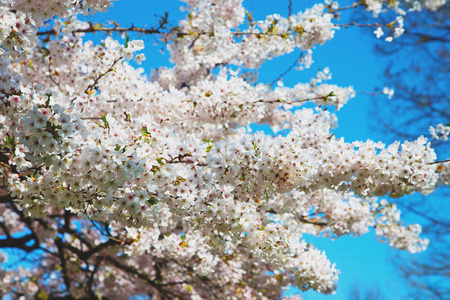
(17, 34)
(325, 212)
(401, 7)
(226, 269)
(398, 30)
(172, 163)
(216, 40)
(41, 10)
(389, 228)
(440, 132)
(444, 173)
(19, 20)
(429, 4)
(388, 91)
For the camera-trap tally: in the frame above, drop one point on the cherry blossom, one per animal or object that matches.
(131, 184)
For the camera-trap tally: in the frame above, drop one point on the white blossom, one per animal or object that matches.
(170, 164)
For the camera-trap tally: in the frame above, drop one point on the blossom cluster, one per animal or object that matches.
(41, 10)
(17, 34)
(444, 173)
(389, 228)
(440, 132)
(401, 7)
(170, 163)
(214, 26)
(19, 20)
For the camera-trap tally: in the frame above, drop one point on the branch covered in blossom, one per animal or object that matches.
(129, 185)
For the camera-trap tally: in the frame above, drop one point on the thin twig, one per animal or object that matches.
(287, 70)
(439, 162)
(92, 85)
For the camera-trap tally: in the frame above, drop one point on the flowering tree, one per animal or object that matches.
(117, 185)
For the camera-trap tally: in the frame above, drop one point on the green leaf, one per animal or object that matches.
(152, 201)
(41, 295)
(208, 149)
(145, 131)
(47, 102)
(178, 181)
(11, 141)
(105, 122)
(155, 169)
(97, 26)
(127, 40)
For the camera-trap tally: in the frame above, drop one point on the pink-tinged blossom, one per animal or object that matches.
(163, 182)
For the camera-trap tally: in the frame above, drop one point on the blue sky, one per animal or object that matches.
(350, 57)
